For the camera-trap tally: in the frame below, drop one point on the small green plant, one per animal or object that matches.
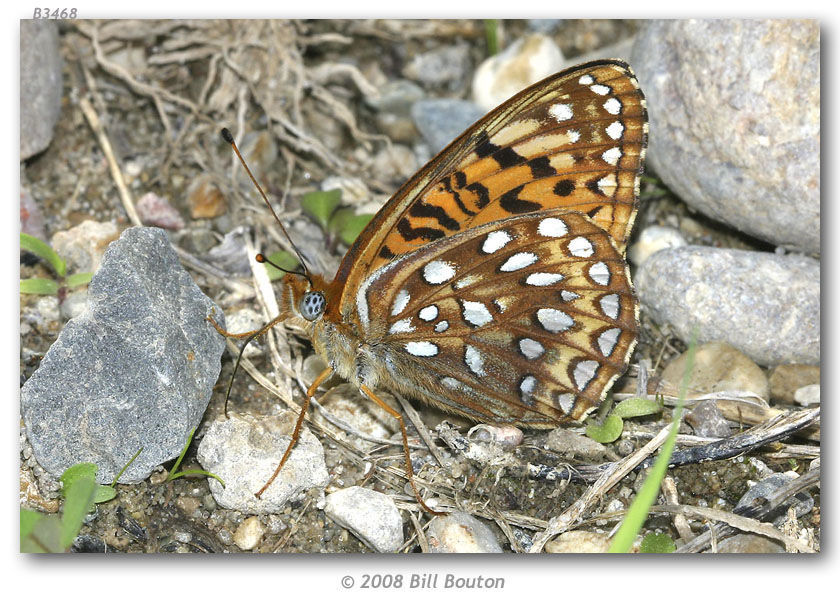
(282, 259)
(657, 543)
(39, 285)
(324, 208)
(607, 428)
(175, 474)
(54, 533)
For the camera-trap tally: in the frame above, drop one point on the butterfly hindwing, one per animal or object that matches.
(525, 320)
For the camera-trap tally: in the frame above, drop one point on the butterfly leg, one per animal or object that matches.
(244, 334)
(409, 470)
(250, 335)
(296, 433)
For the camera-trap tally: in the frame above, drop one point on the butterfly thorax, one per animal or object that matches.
(312, 302)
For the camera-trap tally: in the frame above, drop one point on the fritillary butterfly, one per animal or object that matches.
(493, 283)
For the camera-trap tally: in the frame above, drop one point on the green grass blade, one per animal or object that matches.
(43, 536)
(638, 511)
(38, 285)
(172, 473)
(128, 464)
(78, 279)
(491, 33)
(42, 249)
(78, 504)
(196, 472)
(28, 518)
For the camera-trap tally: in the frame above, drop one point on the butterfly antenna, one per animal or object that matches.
(228, 137)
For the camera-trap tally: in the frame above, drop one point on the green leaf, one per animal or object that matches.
(43, 534)
(608, 432)
(78, 279)
(83, 470)
(657, 543)
(340, 218)
(282, 259)
(43, 250)
(353, 227)
(636, 407)
(79, 502)
(321, 205)
(104, 493)
(38, 285)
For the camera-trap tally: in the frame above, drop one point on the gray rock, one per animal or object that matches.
(734, 111)
(231, 255)
(371, 516)
(395, 163)
(459, 532)
(766, 305)
(446, 66)
(707, 421)
(622, 49)
(40, 85)
(397, 97)
(441, 120)
(245, 451)
(546, 26)
(44, 314)
(157, 211)
(248, 534)
(574, 445)
(135, 370)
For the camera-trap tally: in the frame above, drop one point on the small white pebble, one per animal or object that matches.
(248, 534)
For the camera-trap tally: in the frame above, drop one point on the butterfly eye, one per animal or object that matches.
(312, 305)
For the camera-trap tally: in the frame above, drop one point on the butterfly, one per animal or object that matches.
(493, 283)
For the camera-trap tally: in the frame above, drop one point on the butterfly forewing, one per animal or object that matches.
(575, 140)
(493, 283)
